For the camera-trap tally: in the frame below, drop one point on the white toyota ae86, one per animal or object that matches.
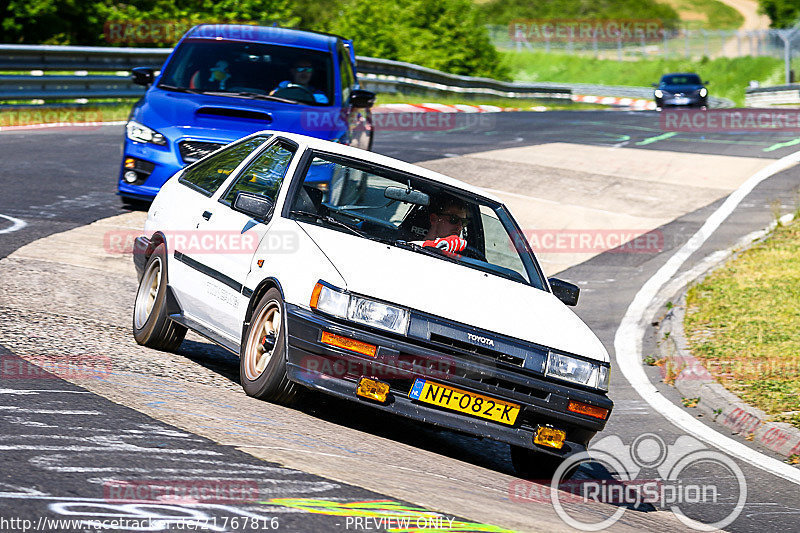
(335, 269)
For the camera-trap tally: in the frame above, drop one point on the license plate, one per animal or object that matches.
(681, 101)
(464, 402)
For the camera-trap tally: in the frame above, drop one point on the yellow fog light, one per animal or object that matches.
(550, 437)
(372, 389)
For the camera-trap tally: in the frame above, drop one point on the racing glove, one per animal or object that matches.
(451, 244)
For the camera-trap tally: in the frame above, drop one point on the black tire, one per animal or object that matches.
(262, 359)
(530, 464)
(151, 325)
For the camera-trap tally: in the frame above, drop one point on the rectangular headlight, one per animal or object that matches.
(378, 315)
(359, 309)
(576, 370)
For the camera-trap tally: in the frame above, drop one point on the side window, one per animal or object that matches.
(264, 174)
(346, 74)
(207, 176)
(499, 249)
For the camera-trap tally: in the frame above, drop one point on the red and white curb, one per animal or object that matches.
(634, 103)
(61, 125)
(440, 108)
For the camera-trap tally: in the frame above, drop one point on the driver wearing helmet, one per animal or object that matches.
(301, 72)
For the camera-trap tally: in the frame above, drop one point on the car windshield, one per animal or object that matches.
(682, 79)
(411, 212)
(251, 70)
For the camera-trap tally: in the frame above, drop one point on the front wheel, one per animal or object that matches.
(262, 360)
(151, 325)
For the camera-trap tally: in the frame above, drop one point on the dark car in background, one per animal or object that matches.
(223, 82)
(681, 89)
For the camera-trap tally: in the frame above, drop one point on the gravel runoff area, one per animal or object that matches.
(702, 389)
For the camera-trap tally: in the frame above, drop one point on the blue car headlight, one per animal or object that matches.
(703, 92)
(141, 133)
(659, 93)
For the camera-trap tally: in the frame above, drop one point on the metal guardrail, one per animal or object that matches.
(628, 91)
(784, 95)
(380, 75)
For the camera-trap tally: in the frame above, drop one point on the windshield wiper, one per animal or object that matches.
(254, 96)
(425, 250)
(177, 89)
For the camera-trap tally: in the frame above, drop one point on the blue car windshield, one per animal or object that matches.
(682, 79)
(251, 70)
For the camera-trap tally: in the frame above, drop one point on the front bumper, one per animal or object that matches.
(681, 101)
(399, 361)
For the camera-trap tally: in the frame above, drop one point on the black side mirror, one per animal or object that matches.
(654, 84)
(565, 291)
(362, 98)
(706, 82)
(253, 205)
(142, 76)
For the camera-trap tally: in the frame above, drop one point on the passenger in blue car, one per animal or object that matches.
(301, 72)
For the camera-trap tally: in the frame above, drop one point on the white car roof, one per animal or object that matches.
(378, 159)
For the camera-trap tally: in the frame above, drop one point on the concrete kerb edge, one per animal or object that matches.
(693, 380)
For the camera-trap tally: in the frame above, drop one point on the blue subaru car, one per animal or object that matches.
(225, 81)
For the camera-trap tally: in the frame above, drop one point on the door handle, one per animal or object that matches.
(207, 214)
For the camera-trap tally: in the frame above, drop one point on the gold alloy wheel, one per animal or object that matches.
(147, 293)
(262, 340)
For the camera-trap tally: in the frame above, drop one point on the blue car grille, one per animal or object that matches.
(191, 151)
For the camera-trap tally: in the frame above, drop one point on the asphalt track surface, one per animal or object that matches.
(58, 180)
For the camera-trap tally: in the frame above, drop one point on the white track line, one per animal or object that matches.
(628, 339)
(17, 224)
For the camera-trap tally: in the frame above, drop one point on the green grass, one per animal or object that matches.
(743, 321)
(65, 112)
(728, 77)
(708, 14)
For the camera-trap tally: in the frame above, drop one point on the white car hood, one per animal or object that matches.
(456, 292)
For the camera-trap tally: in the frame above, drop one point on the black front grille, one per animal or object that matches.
(480, 350)
(191, 151)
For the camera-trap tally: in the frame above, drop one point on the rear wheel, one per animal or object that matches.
(531, 464)
(151, 325)
(262, 360)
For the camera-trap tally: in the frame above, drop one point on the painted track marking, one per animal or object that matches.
(628, 339)
(16, 224)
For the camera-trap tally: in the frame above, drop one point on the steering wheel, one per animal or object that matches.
(286, 92)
